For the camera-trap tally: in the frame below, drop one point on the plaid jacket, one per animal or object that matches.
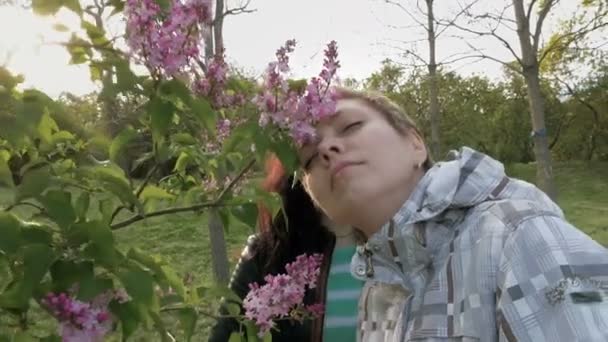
(476, 256)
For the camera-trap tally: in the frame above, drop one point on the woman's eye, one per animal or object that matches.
(352, 126)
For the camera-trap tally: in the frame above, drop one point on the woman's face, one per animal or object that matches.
(357, 160)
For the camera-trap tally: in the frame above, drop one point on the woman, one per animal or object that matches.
(279, 243)
(480, 256)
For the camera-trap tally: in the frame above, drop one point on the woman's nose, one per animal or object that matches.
(329, 149)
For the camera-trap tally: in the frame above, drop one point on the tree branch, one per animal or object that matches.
(146, 180)
(413, 17)
(548, 4)
(239, 10)
(571, 37)
(529, 12)
(212, 204)
(491, 33)
(463, 10)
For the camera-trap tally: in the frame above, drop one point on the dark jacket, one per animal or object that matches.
(269, 251)
(251, 268)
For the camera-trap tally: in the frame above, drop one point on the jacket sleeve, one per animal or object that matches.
(552, 284)
(245, 272)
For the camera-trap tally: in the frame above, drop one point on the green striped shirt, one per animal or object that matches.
(342, 298)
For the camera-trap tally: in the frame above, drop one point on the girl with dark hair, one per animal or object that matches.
(280, 242)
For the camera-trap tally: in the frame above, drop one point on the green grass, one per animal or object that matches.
(582, 193)
(183, 239)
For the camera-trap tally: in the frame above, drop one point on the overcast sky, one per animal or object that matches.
(364, 29)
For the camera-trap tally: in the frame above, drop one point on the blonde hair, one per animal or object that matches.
(391, 111)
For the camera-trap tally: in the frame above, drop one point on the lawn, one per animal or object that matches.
(183, 238)
(582, 194)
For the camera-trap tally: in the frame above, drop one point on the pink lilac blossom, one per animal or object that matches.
(213, 84)
(282, 295)
(81, 321)
(291, 111)
(166, 42)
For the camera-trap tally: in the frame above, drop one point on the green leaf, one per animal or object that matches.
(14, 297)
(90, 287)
(80, 50)
(58, 205)
(46, 7)
(252, 331)
(126, 80)
(165, 335)
(205, 114)
(182, 162)
(119, 144)
(51, 338)
(139, 284)
(66, 273)
(100, 238)
(73, 5)
(247, 213)
(106, 208)
(33, 184)
(236, 337)
(61, 28)
(165, 275)
(187, 318)
(114, 181)
(6, 176)
(62, 137)
(164, 4)
(37, 258)
(34, 233)
(183, 139)
(92, 31)
(81, 207)
(95, 72)
(219, 291)
(129, 316)
(176, 90)
(46, 128)
(161, 116)
(154, 192)
(286, 153)
(233, 308)
(118, 5)
(10, 228)
(23, 337)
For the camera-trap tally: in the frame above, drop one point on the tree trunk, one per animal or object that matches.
(218, 25)
(530, 70)
(208, 38)
(219, 256)
(433, 86)
(544, 172)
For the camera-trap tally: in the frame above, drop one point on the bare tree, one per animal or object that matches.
(214, 39)
(424, 17)
(524, 21)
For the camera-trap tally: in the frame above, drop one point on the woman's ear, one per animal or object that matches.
(418, 144)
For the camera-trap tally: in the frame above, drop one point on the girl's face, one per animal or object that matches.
(358, 159)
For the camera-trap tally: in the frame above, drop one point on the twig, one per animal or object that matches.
(139, 217)
(146, 180)
(212, 204)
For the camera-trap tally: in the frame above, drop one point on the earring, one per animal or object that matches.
(418, 166)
